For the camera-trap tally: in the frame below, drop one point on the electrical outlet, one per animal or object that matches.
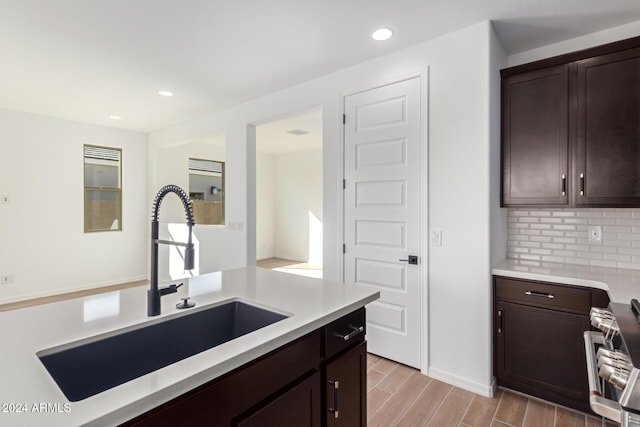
(7, 279)
(595, 233)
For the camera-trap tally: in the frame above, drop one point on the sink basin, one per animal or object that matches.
(88, 368)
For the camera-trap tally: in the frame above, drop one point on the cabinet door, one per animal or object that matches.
(298, 407)
(607, 170)
(346, 389)
(535, 137)
(541, 352)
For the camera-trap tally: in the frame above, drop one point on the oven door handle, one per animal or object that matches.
(607, 408)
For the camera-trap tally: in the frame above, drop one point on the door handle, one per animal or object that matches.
(413, 259)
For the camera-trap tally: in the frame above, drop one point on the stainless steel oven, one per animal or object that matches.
(613, 363)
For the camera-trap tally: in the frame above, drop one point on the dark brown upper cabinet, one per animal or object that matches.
(535, 137)
(571, 129)
(608, 135)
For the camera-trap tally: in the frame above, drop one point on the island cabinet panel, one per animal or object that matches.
(298, 407)
(535, 137)
(287, 387)
(346, 378)
(538, 339)
(570, 129)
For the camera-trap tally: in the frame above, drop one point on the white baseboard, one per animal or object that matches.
(474, 387)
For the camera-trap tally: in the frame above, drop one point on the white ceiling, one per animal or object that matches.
(84, 60)
(274, 137)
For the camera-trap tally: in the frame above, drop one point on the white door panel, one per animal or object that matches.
(382, 213)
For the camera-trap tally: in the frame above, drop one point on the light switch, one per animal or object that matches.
(436, 237)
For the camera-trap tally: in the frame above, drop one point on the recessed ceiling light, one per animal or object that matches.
(115, 117)
(165, 93)
(382, 34)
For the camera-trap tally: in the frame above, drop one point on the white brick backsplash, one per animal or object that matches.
(553, 245)
(553, 259)
(550, 220)
(564, 213)
(617, 214)
(561, 235)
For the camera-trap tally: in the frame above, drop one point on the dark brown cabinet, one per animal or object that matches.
(571, 129)
(298, 407)
(538, 344)
(536, 138)
(345, 378)
(608, 130)
(287, 387)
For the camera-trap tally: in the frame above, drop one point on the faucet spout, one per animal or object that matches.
(154, 294)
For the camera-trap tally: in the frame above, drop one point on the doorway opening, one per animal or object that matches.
(289, 194)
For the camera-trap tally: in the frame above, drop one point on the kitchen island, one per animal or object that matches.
(29, 395)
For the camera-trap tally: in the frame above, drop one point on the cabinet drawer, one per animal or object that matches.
(344, 332)
(541, 294)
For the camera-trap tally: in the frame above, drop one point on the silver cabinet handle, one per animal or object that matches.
(564, 184)
(499, 321)
(336, 387)
(582, 184)
(355, 330)
(540, 294)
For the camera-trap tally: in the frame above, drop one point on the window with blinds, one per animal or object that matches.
(102, 189)
(206, 191)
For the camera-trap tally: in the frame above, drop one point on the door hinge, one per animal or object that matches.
(344, 119)
(344, 248)
(344, 184)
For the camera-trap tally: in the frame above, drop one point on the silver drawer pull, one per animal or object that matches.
(540, 294)
(355, 330)
(334, 410)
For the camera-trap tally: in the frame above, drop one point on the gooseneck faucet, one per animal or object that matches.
(154, 294)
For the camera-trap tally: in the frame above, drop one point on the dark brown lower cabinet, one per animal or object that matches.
(285, 388)
(541, 352)
(538, 339)
(346, 377)
(298, 407)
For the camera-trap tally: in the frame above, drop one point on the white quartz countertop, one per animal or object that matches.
(621, 284)
(30, 397)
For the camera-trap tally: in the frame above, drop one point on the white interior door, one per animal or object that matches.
(382, 213)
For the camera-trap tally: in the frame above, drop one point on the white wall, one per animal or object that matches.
(298, 195)
(579, 43)
(42, 239)
(289, 192)
(459, 184)
(265, 206)
(459, 200)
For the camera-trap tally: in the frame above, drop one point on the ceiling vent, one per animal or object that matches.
(298, 132)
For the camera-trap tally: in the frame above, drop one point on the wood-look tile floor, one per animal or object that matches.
(401, 396)
(273, 263)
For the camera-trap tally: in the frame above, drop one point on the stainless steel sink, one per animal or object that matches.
(89, 368)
